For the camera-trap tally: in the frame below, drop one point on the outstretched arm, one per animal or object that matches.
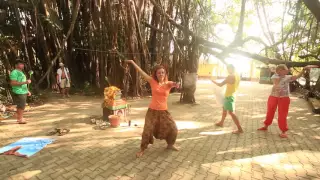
(229, 79)
(144, 75)
(220, 84)
(293, 78)
(174, 84)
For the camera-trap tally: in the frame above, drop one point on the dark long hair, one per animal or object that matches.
(154, 72)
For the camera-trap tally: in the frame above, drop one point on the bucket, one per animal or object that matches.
(114, 121)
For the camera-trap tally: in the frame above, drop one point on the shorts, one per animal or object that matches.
(20, 100)
(229, 104)
(64, 83)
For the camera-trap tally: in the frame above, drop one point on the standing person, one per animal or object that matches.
(232, 82)
(20, 91)
(64, 80)
(279, 97)
(158, 121)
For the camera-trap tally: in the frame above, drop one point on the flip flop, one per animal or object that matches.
(14, 152)
(63, 132)
(22, 122)
(51, 133)
(20, 155)
(263, 129)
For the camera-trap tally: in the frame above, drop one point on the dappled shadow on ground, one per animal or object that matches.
(205, 150)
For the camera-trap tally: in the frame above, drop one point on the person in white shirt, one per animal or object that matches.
(280, 98)
(63, 80)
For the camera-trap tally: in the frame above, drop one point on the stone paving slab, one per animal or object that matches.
(207, 152)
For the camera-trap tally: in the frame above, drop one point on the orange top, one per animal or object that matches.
(160, 95)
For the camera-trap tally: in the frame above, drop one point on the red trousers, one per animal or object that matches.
(283, 108)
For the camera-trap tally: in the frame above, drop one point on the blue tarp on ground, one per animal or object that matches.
(29, 145)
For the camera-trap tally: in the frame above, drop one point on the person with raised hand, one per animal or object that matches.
(158, 121)
(232, 82)
(279, 98)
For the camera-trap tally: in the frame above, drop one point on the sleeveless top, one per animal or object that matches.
(232, 88)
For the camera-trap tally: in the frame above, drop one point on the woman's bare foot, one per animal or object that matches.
(23, 121)
(220, 124)
(172, 147)
(237, 131)
(283, 135)
(139, 154)
(264, 128)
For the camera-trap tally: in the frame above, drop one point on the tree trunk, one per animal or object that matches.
(190, 86)
(317, 86)
(314, 7)
(74, 17)
(23, 37)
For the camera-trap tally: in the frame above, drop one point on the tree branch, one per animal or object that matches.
(281, 41)
(314, 7)
(207, 43)
(18, 4)
(309, 55)
(154, 28)
(262, 58)
(254, 38)
(182, 28)
(174, 39)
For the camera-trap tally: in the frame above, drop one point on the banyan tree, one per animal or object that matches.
(93, 37)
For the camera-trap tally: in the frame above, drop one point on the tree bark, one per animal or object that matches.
(155, 19)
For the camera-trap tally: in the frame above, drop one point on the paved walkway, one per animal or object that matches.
(207, 152)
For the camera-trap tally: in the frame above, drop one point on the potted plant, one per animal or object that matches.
(114, 121)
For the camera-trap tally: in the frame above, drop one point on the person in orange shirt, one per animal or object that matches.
(158, 121)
